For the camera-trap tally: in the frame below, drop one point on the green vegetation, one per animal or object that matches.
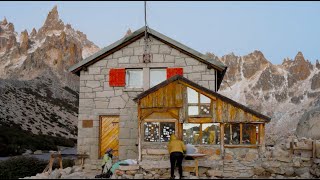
(19, 167)
(15, 141)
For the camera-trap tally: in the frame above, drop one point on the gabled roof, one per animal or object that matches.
(219, 66)
(208, 91)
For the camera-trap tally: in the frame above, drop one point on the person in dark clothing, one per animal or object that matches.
(176, 149)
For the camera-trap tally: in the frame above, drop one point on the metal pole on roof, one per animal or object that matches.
(145, 18)
(146, 54)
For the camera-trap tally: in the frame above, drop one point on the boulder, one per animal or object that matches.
(77, 169)
(213, 173)
(126, 176)
(37, 152)
(138, 176)
(301, 171)
(55, 174)
(67, 170)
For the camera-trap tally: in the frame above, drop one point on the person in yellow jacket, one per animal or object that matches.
(176, 150)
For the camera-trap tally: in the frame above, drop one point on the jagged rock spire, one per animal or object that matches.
(299, 57)
(53, 16)
(33, 32)
(4, 21)
(24, 41)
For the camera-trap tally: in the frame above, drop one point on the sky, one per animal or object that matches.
(278, 29)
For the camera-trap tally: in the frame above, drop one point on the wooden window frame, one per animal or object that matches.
(200, 132)
(199, 106)
(175, 121)
(241, 136)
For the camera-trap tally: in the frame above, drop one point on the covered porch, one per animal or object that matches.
(198, 116)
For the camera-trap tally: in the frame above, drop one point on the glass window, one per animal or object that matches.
(211, 133)
(204, 99)
(191, 133)
(192, 95)
(166, 129)
(206, 133)
(250, 134)
(134, 78)
(158, 131)
(232, 134)
(157, 76)
(193, 110)
(198, 106)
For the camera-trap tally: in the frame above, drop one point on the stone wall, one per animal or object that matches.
(274, 162)
(98, 98)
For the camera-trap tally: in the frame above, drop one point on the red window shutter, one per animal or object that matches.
(117, 77)
(174, 71)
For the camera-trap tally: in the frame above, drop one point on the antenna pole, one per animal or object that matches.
(146, 54)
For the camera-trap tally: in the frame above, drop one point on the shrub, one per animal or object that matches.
(22, 166)
(19, 167)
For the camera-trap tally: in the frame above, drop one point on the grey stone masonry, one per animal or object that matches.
(97, 98)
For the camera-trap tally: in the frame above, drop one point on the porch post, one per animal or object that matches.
(262, 137)
(222, 138)
(139, 132)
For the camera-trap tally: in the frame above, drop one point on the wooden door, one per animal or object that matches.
(109, 134)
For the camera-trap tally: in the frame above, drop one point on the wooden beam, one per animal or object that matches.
(241, 133)
(314, 148)
(240, 146)
(222, 138)
(139, 132)
(262, 137)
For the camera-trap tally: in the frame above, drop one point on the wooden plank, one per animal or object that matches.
(241, 133)
(241, 146)
(200, 120)
(314, 148)
(262, 136)
(109, 134)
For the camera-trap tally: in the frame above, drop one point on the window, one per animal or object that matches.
(206, 133)
(232, 134)
(134, 78)
(250, 134)
(158, 131)
(157, 76)
(198, 104)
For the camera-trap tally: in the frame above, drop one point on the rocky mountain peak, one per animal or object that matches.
(33, 32)
(24, 41)
(299, 57)
(317, 64)
(53, 16)
(4, 21)
(52, 24)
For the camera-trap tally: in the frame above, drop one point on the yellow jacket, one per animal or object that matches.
(176, 145)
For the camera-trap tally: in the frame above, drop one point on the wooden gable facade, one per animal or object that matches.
(169, 100)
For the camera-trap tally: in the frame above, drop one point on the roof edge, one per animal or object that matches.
(224, 98)
(97, 56)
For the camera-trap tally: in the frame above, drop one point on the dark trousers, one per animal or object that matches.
(176, 160)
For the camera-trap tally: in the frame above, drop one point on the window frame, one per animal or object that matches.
(258, 143)
(127, 79)
(175, 121)
(198, 104)
(201, 133)
(157, 68)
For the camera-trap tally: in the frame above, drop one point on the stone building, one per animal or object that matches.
(136, 92)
